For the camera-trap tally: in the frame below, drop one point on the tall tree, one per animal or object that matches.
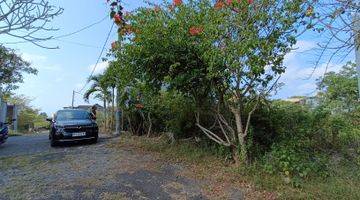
(338, 91)
(100, 91)
(230, 54)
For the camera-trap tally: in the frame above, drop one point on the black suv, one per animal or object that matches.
(72, 125)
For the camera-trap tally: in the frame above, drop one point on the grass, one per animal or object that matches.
(343, 182)
(13, 162)
(185, 152)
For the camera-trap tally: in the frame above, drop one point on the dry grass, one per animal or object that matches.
(218, 175)
(255, 184)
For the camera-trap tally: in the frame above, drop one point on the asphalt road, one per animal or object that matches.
(31, 169)
(32, 144)
(22, 145)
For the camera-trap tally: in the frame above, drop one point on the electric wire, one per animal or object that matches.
(98, 59)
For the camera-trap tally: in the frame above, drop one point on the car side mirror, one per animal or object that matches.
(49, 119)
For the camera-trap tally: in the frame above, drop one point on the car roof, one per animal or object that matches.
(72, 110)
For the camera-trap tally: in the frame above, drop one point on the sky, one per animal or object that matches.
(66, 69)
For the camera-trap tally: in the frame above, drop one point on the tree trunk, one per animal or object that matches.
(105, 116)
(235, 155)
(150, 125)
(113, 108)
(241, 137)
(243, 150)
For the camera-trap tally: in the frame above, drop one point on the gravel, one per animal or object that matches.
(31, 169)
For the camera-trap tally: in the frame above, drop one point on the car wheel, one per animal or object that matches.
(94, 141)
(53, 143)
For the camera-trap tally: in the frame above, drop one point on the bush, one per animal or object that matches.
(297, 141)
(295, 158)
(167, 111)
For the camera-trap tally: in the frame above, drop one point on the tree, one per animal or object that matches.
(12, 68)
(339, 90)
(101, 92)
(29, 118)
(228, 55)
(26, 19)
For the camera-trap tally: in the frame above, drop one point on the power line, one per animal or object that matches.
(82, 29)
(98, 60)
(78, 43)
(62, 36)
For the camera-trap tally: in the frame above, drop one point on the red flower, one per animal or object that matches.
(250, 1)
(128, 29)
(117, 18)
(177, 2)
(195, 30)
(219, 4)
(113, 45)
(229, 2)
(139, 106)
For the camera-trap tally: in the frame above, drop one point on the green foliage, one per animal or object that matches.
(12, 67)
(29, 118)
(176, 113)
(339, 91)
(295, 158)
(99, 88)
(226, 57)
(167, 111)
(196, 59)
(301, 140)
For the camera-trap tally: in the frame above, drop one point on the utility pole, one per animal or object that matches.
(1, 102)
(118, 112)
(73, 98)
(15, 118)
(357, 46)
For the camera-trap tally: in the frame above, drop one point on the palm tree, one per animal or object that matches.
(100, 91)
(109, 79)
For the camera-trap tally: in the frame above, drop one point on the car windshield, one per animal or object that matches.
(72, 115)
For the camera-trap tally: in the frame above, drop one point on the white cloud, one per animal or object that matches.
(100, 68)
(300, 76)
(79, 86)
(298, 72)
(302, 46)
(33, 58)
(39, 62)
(59, 79)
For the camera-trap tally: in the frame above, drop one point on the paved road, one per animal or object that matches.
(31, 169)
(21, 145)
(32, 144)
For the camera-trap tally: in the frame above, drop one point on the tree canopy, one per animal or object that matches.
(12, 67)
(225, 55)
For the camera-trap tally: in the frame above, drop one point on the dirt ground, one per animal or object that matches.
(31, 169)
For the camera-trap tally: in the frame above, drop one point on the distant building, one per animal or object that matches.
(302, 100)
(296, 100)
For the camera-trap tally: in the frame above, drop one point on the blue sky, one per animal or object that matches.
(67, 68)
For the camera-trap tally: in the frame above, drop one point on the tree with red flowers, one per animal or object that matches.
(226, 56)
